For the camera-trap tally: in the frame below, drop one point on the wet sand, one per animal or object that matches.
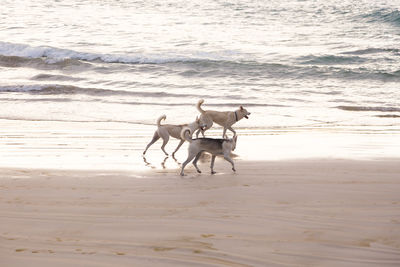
(282, 213)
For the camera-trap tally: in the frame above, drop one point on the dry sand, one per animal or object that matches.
(282, 213)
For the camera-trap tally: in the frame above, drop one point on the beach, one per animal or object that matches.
(306, 198)
(273, 213)
(82, 84)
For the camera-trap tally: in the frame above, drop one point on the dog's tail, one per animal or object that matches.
(201, 101)
(186, 134)
(163, 117)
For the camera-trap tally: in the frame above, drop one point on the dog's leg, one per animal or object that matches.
(190, 157)
(209, 125)
(155, 138)
(212, 164)
(224, 133)
(195, 161)
(177, 148)
(228, 158)
(163, 163)
(233, 131)
(165, 141)
(202, 133)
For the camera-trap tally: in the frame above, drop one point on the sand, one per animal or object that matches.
(316, 212)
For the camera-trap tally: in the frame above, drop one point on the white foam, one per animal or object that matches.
(54, 55)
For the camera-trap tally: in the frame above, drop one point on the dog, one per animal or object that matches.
(167, 130)
(225, 118)
(213, 146)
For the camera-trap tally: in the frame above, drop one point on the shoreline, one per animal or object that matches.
(319, 212)
(116, 146)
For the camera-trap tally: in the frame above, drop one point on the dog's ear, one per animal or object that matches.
(241, 107)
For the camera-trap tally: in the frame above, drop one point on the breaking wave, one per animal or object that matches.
(332, 60)
(68, 90)
(206, 65)
(373, 50)
(72, 90)
(384, 15)
(55, 55)
(361, 108)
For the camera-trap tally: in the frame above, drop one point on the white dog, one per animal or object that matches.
(213, 146)
(225, 118)
(167, 130)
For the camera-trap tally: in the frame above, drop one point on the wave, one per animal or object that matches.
(64, 93)
(362, 108)
(373, 50)
(41, 63)
(332, 60)
(256, 70)
(53, 77)
(310, 67)
(388, 116)
(207, 65)
(365, 74)
(58, 89)
(55, 55)
(74, 90)
(384, 15)
(16, 118)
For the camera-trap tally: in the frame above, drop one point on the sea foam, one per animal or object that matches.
(53, 55)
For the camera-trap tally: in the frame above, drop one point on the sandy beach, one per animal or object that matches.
(82, 84)
(76, 194)
(315, 212)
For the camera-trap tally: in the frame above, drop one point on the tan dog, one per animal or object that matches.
(225, 118)
(167, 130)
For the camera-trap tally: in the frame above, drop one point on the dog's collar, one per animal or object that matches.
(236, 117)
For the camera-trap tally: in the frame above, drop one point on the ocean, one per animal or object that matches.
(68, 66)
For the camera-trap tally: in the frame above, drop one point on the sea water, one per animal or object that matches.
(308, 64)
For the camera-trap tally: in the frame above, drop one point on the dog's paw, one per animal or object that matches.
(233, 169)
(198, 171)
(213, 172)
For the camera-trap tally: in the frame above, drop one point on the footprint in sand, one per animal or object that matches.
(162, 249)
(207, 235)
(88, 253)
(366, 242)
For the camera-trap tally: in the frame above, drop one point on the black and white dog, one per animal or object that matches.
(213, 146)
